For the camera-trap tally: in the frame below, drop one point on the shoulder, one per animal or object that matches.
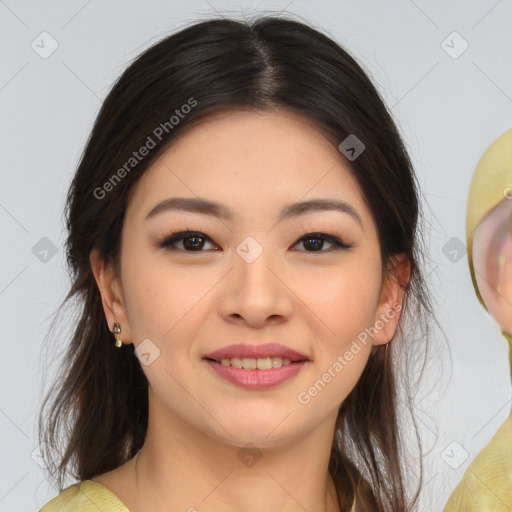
(86, 496)
(487, 483)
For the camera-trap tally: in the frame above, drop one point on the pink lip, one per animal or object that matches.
(256, 351)
(257, 379)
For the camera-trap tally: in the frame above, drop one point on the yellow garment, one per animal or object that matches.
(86, 496)
(487, 483)
(491, 183)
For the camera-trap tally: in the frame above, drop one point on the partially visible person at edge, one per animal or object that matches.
(244, 243)
(487, 483)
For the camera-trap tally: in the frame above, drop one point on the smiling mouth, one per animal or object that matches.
(260, 363)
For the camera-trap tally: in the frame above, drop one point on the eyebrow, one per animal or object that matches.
(206, 207)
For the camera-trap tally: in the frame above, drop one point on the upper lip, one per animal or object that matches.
(256, 351)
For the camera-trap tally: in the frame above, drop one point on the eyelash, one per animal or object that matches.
(182, 235)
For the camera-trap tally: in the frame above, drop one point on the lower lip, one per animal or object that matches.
(257, 379)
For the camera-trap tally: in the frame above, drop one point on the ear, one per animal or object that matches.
(111, 296)
(391, 299)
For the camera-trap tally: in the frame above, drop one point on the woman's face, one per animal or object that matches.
(250, 276)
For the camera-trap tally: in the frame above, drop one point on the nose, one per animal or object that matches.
(256, 293)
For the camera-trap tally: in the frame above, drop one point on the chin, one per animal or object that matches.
(263, 432)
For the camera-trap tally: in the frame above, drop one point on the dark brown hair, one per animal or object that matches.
(95, 416)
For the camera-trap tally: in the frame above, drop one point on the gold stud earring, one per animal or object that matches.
(117, 330)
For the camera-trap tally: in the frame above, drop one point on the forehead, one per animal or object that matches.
(250, 160)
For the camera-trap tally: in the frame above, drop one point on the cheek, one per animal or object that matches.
(163, 305)
(344, 298)
(159, 297)
(344, 301)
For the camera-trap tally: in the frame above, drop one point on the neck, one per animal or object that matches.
(180, 468)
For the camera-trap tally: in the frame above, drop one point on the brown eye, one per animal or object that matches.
(314, 242)
(191, 241)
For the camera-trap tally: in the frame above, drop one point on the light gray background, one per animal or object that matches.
(448, 109)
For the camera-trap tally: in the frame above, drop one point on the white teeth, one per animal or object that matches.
(251, 363)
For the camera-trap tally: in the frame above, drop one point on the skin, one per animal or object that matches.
(492, 253)
(191, 303)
